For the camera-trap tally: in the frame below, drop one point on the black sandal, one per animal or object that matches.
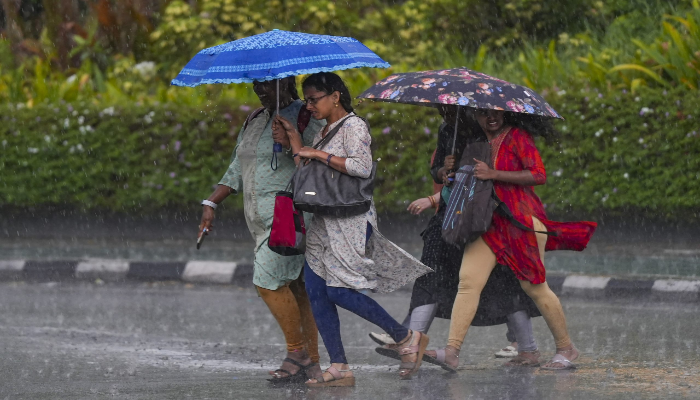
(298, 378)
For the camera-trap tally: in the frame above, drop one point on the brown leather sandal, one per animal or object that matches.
(338, 379)
(412, 346)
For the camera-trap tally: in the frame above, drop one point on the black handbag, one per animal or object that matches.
(322, 190)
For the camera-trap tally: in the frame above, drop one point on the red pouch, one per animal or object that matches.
(288, 234)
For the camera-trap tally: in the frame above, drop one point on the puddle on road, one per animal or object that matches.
(598, 376)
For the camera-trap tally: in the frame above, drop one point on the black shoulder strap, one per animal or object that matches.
(503, 209)
(335, 130)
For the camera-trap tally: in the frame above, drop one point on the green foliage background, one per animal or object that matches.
(90, 121)
(620, 153)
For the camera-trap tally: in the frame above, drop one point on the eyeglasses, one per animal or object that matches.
(314, 100)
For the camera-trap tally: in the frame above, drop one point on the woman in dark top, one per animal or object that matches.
(502, 301)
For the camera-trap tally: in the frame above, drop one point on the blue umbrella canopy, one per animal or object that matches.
(275, 55)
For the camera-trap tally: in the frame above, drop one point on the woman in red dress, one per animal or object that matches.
(517, 169)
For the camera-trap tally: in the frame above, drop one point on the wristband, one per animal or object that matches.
(209, 203)
(328, 160)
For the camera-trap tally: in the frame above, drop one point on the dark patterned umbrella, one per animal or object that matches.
(459, 86)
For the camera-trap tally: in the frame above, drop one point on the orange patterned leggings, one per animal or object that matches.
(291, 308)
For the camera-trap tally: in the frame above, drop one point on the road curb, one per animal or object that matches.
(241, 273)
(236, 273)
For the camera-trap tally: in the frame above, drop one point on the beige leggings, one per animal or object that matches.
(477, 263)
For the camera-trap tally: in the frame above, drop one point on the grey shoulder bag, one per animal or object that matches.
(322, 190)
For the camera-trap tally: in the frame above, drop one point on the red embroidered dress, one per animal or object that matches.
(515, 247)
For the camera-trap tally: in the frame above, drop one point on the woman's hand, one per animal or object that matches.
(283, 124)
(449, 164)
(483, 172)
(309, 153)
(279, 134)
(419, 205)
(446, 175)
(207, 220)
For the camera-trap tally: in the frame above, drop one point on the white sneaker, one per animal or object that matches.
(507, 352)
(381, 338)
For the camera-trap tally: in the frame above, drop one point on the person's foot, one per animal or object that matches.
(524, 359)
(381, 338)
(508, 351)
(411, 350)
(451, 356)
(314, 371)
(288, 368)
(327, 377)
(569, 354)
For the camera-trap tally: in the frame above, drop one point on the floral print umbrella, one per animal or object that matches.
(462, 87)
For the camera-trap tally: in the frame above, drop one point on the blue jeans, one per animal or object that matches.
(324, 300)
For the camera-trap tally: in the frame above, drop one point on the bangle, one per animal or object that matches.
(209, 203)
(433, 203)
(328, 160)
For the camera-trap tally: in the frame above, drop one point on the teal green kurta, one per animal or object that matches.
(250, 173)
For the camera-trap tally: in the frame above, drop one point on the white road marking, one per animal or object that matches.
(585, 282)
(672, 285)
(209, 271)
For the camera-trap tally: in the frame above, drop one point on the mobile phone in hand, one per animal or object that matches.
(200, 239)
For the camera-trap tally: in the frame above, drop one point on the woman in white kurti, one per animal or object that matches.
(348, 254)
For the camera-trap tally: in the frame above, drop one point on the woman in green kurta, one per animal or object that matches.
(276, 277)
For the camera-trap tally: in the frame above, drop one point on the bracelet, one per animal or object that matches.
(433, 203)
(209, 203)
(294, 156)
(328, 160)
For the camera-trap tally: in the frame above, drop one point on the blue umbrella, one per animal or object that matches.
(275, 55)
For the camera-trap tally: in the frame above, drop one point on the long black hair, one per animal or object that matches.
(328, 83)
(535, 125)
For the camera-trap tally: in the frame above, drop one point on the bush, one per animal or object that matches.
(620, 153)
(120, 159)
(626, 153)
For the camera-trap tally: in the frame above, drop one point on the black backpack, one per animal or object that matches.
(473, 201)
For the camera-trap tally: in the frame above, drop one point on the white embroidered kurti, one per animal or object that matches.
(337, 249)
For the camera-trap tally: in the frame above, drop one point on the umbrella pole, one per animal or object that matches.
(276, 147)
(454, 139)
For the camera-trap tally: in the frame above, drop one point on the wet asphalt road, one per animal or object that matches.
(175, 341)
